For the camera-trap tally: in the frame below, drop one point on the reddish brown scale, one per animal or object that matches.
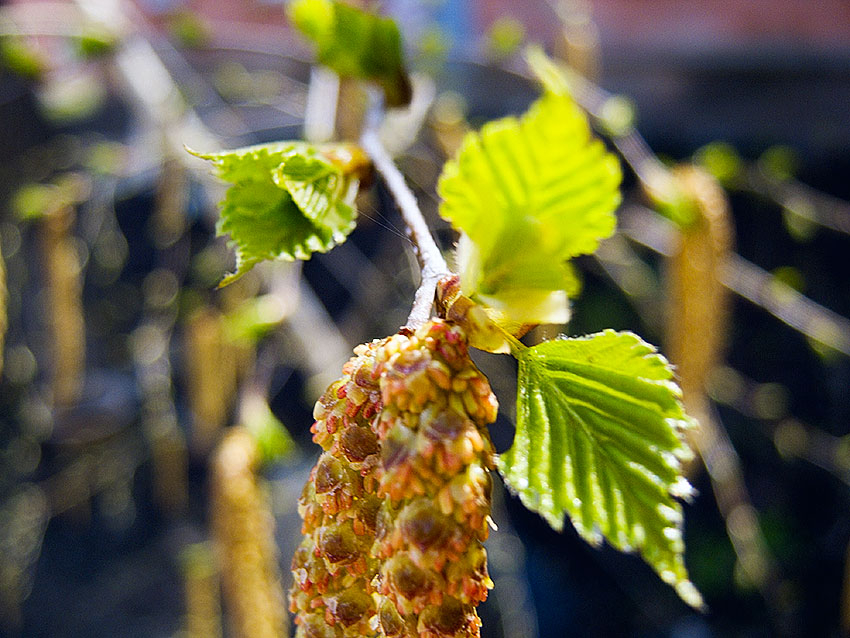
(411, 588)
(358, 443)
(450, 619)
(422, 526)
(349, 607)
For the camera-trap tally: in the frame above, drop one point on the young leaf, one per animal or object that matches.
(529, 194)
(288, 200)
(355, 43)
(599, 437)
(319, 190)
(272, 437)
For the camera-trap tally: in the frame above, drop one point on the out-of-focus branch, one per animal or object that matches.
(805, 201)
(747, 280)
(792, 438)
(724, 468)
(149, 81)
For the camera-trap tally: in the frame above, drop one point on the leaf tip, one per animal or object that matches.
(242, 268)
(690, 594)
(198, 154)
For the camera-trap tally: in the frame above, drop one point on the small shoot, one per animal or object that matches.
(527, 194)
(355, 43)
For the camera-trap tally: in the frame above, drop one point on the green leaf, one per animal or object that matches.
(616, 117)
(271, 435)
(599, 437)
(254, 317)
(288, 200)
(252, 162)
(355, 43)
(529, 194)
(320, 191)
(20, 57)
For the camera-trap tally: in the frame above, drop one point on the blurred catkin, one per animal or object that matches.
(698, 320)
(243, 531)
(201, 586)
(398, 504)
(64, 286)
(211, 364)
(698, 300)
(3, 307)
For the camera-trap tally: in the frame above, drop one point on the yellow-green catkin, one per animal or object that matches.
(398, 505)
(211, 364)
(243, 531)
(698, 301)
(4, 293)
(65, 292)
(201, 588)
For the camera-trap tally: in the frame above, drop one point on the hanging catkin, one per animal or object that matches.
(243, 531)
(64, 288)
(436, 457)
(698, 321)
(211, 363)
(397, 506)
(4, 294)
(698, 300)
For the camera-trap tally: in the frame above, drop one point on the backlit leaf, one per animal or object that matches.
(529, 193)
(599, 437)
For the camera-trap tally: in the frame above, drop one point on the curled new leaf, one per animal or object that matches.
(528, 194)
(355, 43)
(288, 200)
(600, 438)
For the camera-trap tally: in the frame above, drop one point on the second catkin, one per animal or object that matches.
(394, 531)
(333, 567)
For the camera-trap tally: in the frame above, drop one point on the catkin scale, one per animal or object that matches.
(397, 506)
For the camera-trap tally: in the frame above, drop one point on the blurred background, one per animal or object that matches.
(123, 490)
